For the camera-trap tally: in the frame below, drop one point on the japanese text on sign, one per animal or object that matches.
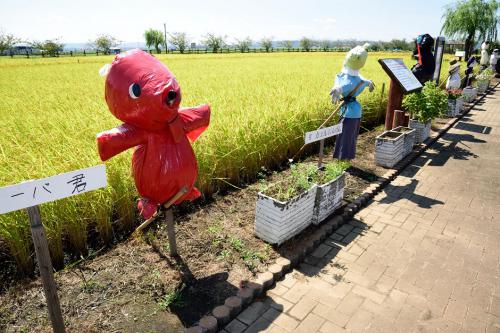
(397, 69)
(35, 192)
(323, 133)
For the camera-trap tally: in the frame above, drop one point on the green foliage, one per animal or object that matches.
(244, 44)
(485, 75)
(266, 43)
(179, 40)
(154, 38)
(215, 42)
(306, 44)
(172, 298)
(302, 177)
(104, 43)
(299, 180)
(49, 47)
(325, 44)
(331, 172)
(471, 20)
(286, 44)
(6, 41)
(426, 104)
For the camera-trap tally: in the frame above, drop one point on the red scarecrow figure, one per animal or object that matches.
(144, 94)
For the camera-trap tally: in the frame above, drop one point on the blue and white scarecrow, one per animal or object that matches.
(348, 85)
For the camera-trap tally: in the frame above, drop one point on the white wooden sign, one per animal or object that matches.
(36, 192)
(459, 53)
(323, 133)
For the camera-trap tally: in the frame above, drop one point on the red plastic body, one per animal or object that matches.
(163, 161)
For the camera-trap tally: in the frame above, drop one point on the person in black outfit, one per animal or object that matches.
(424, 68)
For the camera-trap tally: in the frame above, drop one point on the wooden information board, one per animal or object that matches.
(398, 72)
(438, 55)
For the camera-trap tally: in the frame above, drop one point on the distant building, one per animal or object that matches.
(114, 50)
(451, 46)
(22, 48)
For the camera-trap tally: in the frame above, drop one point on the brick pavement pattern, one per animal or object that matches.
(423, 256)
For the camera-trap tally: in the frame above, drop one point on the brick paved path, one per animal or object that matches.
(423, 257)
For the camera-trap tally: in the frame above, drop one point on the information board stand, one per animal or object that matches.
(438, 55)
(402, 82)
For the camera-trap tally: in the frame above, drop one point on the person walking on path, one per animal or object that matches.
(348, 85)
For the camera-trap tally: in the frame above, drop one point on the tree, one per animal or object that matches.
(266, 43)
(400, 44)
(286, 44)
(306, 44)
(325, 44)
(215, 42)
(51, 47)
(103, 43)
(472, 20)
(179, 40)
(6, 41)
(244, 44)
(154, 38)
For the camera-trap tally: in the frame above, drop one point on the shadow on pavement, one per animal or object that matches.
(408, 192)
(473, 128)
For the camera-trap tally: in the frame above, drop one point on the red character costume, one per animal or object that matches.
(144, 94)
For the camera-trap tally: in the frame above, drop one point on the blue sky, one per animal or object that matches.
(80, 21)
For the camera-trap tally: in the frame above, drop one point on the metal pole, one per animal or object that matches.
(45, 266)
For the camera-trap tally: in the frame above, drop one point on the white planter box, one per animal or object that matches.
(470, 94)
(389, 148)
(482, 86)
(409, 138)
(328, 198)
(277, 221)
(422, 130)
(452, 107)
(460, 105)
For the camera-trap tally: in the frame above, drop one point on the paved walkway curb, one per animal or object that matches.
(234, 305)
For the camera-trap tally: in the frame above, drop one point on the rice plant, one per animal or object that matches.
(51, 110)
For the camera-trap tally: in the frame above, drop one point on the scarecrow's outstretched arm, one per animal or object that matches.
(195, 120)
(118, 139)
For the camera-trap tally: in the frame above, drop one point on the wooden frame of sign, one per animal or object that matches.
(438, 55)
(402, 82)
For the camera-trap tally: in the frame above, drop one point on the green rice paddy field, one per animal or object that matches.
(51, 110)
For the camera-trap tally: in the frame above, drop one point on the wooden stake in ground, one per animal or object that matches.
(30, 195)
(46, 270)
(169, 219)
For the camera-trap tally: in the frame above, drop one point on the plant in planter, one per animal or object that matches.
(286, 208)
(483, 80)
(424, 106)
(455, 102)
(330, 192)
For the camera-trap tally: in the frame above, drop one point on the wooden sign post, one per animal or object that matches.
(320, 135)
(32, 193)
(438, 55)
(402, 82)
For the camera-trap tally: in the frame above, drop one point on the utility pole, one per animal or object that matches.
(165, 31)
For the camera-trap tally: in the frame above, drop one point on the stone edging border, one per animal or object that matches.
(223, 314)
